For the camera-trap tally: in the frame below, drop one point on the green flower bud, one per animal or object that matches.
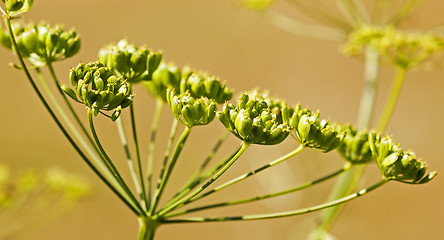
(203, 85)
(252, 120)
(134, 64)
(42, 43)
(72, 47)
(14, 5)
(191, 111)
(397, 164)
(17, 7)
(99, 89)
(355, 148)
(166, 76)
(310, 131)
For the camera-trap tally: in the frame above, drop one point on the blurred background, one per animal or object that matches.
(240, 47)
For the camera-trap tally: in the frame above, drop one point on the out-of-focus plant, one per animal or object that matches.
(105, 88)
(29, 198)
(364, 28)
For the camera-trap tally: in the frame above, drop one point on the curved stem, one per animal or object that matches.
(71, 126)
(113, 188)
(165, 177)
(202, 178)
(129, 159)
(151, 147)
(247, 175)
(208, 183)
(347, 183)
(68, 104)
(142, 193)
(262, 197)
(109, 163)
(282, 214)
(394, 95)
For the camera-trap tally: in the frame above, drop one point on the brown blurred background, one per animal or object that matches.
(242, 48)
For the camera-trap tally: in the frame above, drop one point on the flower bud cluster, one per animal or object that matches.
(42, 43)
(167, 76)
(134, 64)
(197, 84)
(16, 7)
(252, 121)
(397, 164)
(403, 49)
(310, 131)
(191, 111)
(99, 88)
(204, 85)
(355, 147)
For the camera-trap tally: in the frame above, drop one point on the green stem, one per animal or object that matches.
(282, 214)
(118, 193)
(109, 163)
(210, 156)
(208, 183)
(262, 197)
(142, 193)
(68, 104)
(348, 182)
(295, 27)
(202, 178)
(165, 177)
(151, 147)
(147, 228)
(71, 126)
(394, 95)
(129, 159)
(247, 175)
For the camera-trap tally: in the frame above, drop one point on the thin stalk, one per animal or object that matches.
(71, 126)
(282, 214)
(129, 159)
(394, 95)
(247, 175)
(347, 183)
(166, 176)
(202, 178)
(118, 193)
(295, 27)
(320, 15)
(262, 197)
(151, 147)
(142, 193)
(208, 183)
(207, 160)
(167, 153)
(109, 163)
(68, 104)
